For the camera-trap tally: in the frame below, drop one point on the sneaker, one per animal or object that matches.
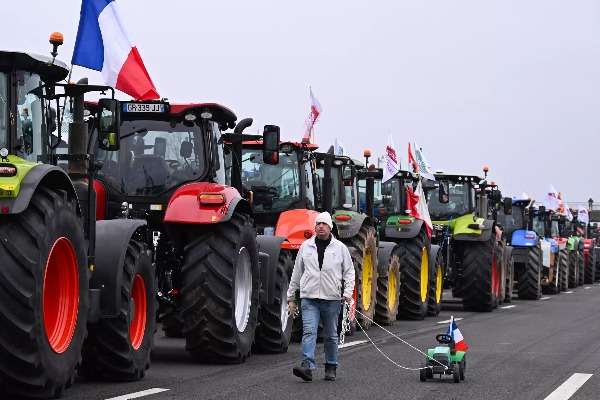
(330, 370)
(303, 371)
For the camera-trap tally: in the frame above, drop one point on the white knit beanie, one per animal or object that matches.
(324, 217)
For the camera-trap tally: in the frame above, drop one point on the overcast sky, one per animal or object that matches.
(513, 85)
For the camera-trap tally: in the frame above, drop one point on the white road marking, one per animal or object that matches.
(139, 394)
(588, 287)
(570, 291)
(569, 387)
(350, 344)
(448, 321)
(505, 307)
(544, 298)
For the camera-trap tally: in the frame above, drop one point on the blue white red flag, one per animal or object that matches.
(454, 332)
(103, 45)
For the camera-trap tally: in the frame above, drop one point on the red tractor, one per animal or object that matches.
(220, 286)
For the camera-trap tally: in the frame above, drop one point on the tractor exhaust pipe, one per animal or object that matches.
(236, 147)
(78, 135)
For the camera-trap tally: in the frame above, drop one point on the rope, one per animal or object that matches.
(346, 328)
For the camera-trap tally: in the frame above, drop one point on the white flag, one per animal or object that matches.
(338, 148)
(313, 116)
(582, 215)
(567, 210)
(551, 200)
(391, 160)
(423, 166)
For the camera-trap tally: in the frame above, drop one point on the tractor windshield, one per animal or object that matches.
(4, 113)
(513, 222)
(554, 229)
(539, 226)
(275, 187)
(161, 157)
(391, 197)
(460, 201)
(344, 190)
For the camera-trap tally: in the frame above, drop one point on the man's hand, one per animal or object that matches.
(291, 308)
(347, 300)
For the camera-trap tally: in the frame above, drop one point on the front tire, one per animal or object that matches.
(119, 348)
(414, 275)
(529, 275)
(274, 329)
(480, 279)
(220, 293)
(436, 282)
(388, 290)
(44, 287)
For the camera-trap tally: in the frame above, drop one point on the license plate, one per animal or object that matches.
(144, 107)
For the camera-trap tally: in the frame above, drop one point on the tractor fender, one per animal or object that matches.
(40, 174)
(520, 238)
(296, 225)
(397, 231)
(384, 253)
(184, 206)
(112, 239)
(271, 246)
(350, 228)
(486, 233)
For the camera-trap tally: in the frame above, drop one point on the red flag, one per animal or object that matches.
(416, 203)
(412, 163)
(311, 119)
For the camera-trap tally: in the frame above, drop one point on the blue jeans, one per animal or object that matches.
(329, 312)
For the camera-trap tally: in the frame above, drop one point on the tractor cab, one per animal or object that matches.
(344, 187)
(452, 196)
(287, 185)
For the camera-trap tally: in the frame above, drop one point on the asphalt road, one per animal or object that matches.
(523, 350)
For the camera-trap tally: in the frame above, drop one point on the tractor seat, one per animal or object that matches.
(151, 169)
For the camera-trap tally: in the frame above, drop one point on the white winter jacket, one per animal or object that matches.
(326, 283)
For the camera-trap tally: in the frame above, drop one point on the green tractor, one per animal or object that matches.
(568, 230)
(412, 248)
(463, 209)
(444, 360)
(77, 294)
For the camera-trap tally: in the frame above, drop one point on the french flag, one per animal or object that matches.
(454, 332)
(103, 45)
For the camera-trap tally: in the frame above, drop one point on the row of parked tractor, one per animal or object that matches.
(153, 215)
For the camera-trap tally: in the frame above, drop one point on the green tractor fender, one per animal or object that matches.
(572, 243)
(402, 227)
(463, 229)
(350, 227)
(27, 180)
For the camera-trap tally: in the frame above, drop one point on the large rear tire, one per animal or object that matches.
(365, 243)
(573, 269)
(388, 290)
(590, 267)
(564, 269)
(274, 328)
(44, 281)
(581, 261)
(436, 282)
(119, 348)
(529, 275)
(510, 276)
(414, 276)
(172, 323)
(220, 290)
(480, 279)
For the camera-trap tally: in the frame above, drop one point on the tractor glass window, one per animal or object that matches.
(220, 167)
(30, 121)
(343, 196)
(539, 226)
(458, 204)
(391, 196)
(514, 221)
(4, 112)
(310, 194)
(554, 229)
(154, 161)
(275, 187)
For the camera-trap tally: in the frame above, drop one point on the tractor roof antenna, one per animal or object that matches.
(56, 39)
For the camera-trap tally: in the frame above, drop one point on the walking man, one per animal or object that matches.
(323, 263)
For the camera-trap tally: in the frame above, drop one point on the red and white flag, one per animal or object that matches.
(311, 119)
(583, 215)
(416, 203)
(391, 160)
(454, 332)
(551, 200)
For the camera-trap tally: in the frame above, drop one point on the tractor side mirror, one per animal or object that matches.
(444, 192)
(348, 175)
(271, 137)
(507, 206)
(109, 124)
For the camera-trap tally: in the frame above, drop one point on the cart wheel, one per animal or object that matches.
(423, 373)
(463, 368)
(456, 373)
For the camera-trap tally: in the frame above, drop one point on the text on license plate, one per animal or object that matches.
(137, 107)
